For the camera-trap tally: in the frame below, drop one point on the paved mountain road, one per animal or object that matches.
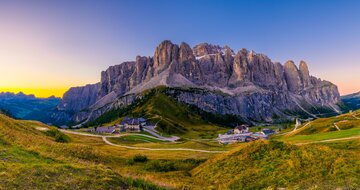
(104, 138)
(329, 140)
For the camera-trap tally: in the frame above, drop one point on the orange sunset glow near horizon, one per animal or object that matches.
(39, 93)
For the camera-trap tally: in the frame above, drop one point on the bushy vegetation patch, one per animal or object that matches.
(58, 135)
(163, 165)
(142, 184)
(140, 158)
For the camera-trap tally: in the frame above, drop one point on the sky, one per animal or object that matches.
(47, 47)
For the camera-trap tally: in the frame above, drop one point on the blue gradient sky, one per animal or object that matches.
(52, 45)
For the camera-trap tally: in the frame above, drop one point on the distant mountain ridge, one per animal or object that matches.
(11, 95)
(245, 83)
(24, 106)
(352, 100)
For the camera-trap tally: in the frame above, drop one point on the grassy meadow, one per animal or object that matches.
(41, 157)
(324, 129)
(30, 158)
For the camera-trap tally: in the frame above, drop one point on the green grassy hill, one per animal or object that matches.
(264, 164)
(323, 125)
(312, 157)
(36, 156)
(173, 118)
(341, 126)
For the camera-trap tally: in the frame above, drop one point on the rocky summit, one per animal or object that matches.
(245, 83)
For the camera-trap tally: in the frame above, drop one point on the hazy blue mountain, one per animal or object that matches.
(352, 100)
(24, 106)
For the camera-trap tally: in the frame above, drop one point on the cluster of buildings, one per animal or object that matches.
(128, 124)
(241, 133)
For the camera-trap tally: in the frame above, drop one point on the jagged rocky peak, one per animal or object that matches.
(164, 55)
(305, 75)
(292, 76)
(186, 53)
(210, 49)
(228, 50)
(205, 49)
(114, 77)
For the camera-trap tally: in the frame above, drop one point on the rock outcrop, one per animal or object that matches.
(78, 98)
(251, 85)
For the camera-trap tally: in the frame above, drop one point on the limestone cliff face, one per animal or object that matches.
(255, 87)
(78, 98)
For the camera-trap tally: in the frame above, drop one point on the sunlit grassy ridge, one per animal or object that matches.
(349, 133)
(32, 159)
(176, 118)
(325, 129)
(262, 164)
(323, 125)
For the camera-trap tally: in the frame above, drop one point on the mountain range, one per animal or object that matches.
(352, 100)
(24, 106)
(212, 78)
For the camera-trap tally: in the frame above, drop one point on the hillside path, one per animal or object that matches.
(355, 116)
(337, 127)
(110, 136)
(104, 138)
(160, 149)
(173, 138)
(329, 140)
(152, 130)
(295, 129)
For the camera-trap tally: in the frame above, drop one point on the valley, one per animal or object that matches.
(186, 118)
(179, 95)
(141, 160)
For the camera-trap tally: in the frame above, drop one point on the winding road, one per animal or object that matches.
(172, 139)
(329, 140)
(295, 129)
(337, 127)
(160, 149)
(151, 129)
(104, 138)
(119, 135)
(355, 116)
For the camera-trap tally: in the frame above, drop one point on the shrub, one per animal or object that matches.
(172, 165)
(141, 184)
(161, 166)
(130, 162)
(59, 136)
(137, 158)
(140, 158)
